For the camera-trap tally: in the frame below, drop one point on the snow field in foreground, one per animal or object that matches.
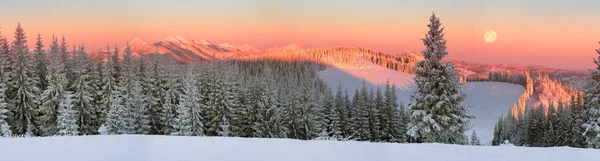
(179, 148)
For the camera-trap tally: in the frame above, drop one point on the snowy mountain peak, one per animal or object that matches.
(203, 42)
(177, 39)
(137, 40)
(226, 45)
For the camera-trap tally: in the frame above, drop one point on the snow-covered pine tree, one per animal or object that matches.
(23, 89)
(263, 98)
(4, 112)
(67, 118)
(133, 102)
(382, 117)
(577, 119)
(341, 107)
(189, 121)
(219, 95)
(474, 139)
(396, 117)
(96, 76)
(536, 127)
(592, 103)
(83, 93)
(497, 140)
(5, 60)
(169, 98)
(372, 117)
(551, 135)
(4, 106)
(361, 115)
(118, 118)
(437, 114)
(153, 89)
(54, 95)
(332, 117)
(67, 59)
(40, 63)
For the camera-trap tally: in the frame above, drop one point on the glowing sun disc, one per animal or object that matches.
(490, 36)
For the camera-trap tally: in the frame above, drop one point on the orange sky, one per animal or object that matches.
(552, 33)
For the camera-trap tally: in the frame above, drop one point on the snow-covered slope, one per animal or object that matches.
(173, 148)
(489, 100)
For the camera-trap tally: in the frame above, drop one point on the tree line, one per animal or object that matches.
(61, 91)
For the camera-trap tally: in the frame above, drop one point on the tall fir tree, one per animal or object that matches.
(169, 97)
(437, 114)
(154, 91)
(189, 120)
(83, 94)
(219, 97)
(40, 63)
(96, 76)
(67, 118)
(5, 113)
(474, 140)
(54, 95)
(592, 103)
(23, 92)
(118, 117)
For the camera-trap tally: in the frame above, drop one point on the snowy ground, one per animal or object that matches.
(172, 148)
(489, 100)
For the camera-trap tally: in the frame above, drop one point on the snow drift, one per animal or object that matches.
(174, 148)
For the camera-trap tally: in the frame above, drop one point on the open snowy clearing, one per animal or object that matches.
(173, 148)
(489, 100)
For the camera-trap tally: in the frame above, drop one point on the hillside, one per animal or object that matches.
(167, 148)
(489, 100)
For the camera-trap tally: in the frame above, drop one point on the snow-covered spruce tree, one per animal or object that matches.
(189, 121)
(536, 127)
(400, 122)
(436, 111)
(592, 103)
(40, 63)
(219, 97)
(263, 98)
(118, 117)
(133, 102)
(83, 93)
(332, 117)
(169, 97)
(23, 91)
(393, 126)
(67, 118)
(4, 113)
(341, 107)
(372, 117)
(474, 140)
(153, 89)
(54, 95)
(140, 97)
(562, 115)
(5, 60)
(66, 57)
(96, 76)
(576, 118)
(309, 106)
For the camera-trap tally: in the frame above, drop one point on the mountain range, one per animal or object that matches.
(184, 50)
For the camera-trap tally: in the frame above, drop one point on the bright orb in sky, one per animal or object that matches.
(490, 36)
